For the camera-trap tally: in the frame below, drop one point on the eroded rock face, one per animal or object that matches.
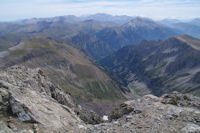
(31, 97)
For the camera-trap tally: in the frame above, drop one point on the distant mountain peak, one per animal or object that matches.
(140, 21)
(170, 21)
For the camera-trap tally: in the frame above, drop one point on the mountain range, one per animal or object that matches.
(158, 67)
(100, 73)
(102, 58)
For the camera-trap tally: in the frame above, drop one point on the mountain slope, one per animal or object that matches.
(66, 66)
(188, 28)
(108, 35)
(90, 45)
(117, 37)
(158, 66)
(169, 21)
(10, 40)
(134, 31)
(58, 29)
(149, 29)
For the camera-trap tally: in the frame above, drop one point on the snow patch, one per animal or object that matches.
(105, 118)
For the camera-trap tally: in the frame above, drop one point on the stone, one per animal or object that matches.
(23, 113)
(24, 100)
(89, 117)
(3, 92)
(122, 110)
(153, 116)
(4, 128)
(11, 125)
(137, 111)
(1, 99)
(35, 128)
(26, 131)
(81, 127)
(191, 128)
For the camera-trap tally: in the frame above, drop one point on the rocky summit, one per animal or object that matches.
(28, 98)
(171, 113)
(31, 103)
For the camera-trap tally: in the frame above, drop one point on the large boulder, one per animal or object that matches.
(122, 110)
(89, 117)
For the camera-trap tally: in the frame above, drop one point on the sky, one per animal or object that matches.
(11, 10)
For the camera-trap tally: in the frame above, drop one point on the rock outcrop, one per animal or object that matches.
(28, 95)
(152, 114)
(30, 103)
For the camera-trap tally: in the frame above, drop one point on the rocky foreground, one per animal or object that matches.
(30, 103)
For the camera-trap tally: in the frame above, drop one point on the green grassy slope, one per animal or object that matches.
(65, 66)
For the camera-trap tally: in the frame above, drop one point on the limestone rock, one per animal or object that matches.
(4, 128)
(21, 96)
(191, 128)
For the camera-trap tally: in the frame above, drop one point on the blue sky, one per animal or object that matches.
(156, 9)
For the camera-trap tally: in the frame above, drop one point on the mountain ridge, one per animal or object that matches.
(159, 66)
(65, 66)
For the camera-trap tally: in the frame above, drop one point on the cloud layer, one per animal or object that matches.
(156, 9)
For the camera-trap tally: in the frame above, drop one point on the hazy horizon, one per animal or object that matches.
(12, 10)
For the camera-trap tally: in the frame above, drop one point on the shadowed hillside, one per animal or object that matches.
(158, 67)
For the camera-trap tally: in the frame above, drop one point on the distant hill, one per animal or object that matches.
(10, 40)
(188, 28)
(196, 21)
(158, 67)
(169, 21)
